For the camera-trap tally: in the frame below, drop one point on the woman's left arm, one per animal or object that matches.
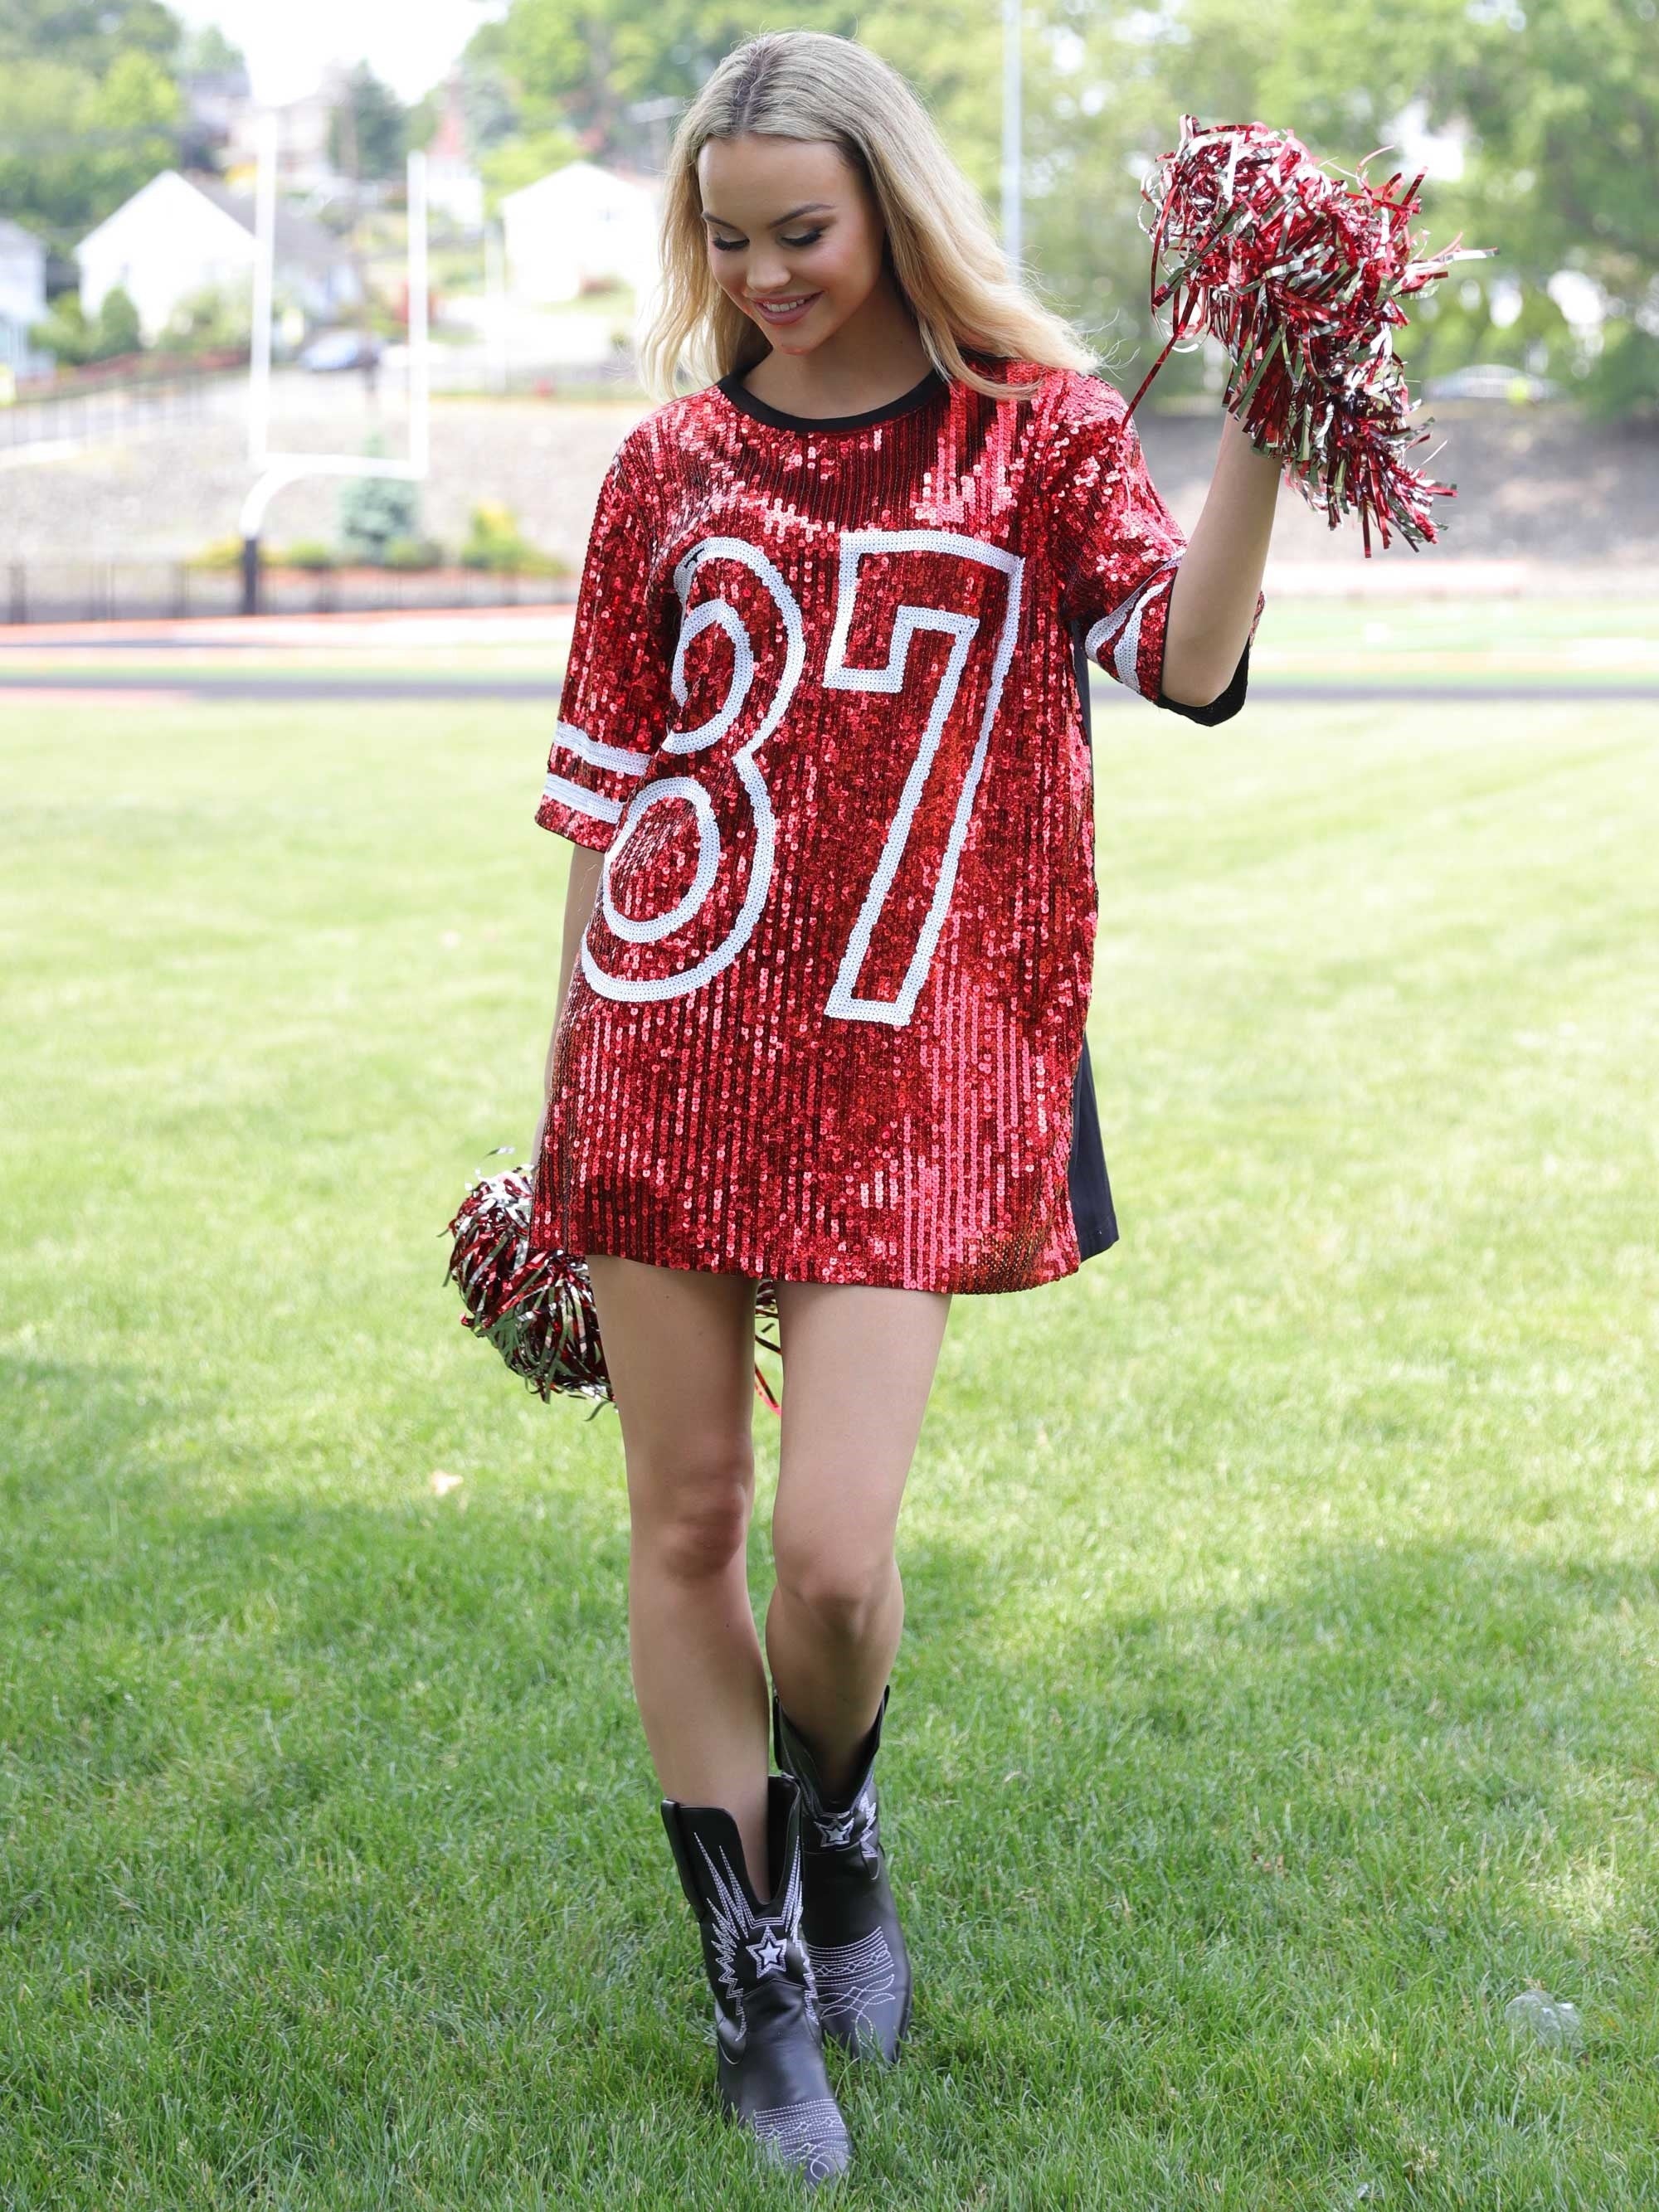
(1213, 599)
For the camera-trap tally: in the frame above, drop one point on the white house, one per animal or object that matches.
(22, 296)
(181, 235)
(581, 227)
(304, 128)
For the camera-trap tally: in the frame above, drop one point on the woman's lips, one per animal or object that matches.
(793, 314)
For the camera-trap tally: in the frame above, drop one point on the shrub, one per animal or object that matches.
(496, 542)
(309, 553)
(210, 320)
(73, 338)
(375, 510)
(223, 553)
(411, 554)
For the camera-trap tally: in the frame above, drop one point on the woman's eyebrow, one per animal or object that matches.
(811, 208)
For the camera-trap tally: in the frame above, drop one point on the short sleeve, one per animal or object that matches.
(616, 701)
(1115, 546)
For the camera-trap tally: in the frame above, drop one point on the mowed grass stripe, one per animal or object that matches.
(1276, 1695)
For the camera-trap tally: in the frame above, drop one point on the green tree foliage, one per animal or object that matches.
(87, 35)
(210, 320)
(74, 146)
(1558, 99)
(495, 542)
(375, 512)
(75, 338)
(369, 131)
(204, 51)
(89, 110)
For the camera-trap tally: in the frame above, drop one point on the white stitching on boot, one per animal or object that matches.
(855, 1979)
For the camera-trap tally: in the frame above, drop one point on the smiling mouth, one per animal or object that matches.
(782, 306)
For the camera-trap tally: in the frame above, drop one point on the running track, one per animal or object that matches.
(187, 686)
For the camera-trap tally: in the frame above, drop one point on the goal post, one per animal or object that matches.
(274, 470)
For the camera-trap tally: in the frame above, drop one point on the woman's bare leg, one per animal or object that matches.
(679, 1345)
(858, 1365)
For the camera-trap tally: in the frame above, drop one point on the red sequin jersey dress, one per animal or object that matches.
(824, 715)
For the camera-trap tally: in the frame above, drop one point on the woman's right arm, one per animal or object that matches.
(580, 891)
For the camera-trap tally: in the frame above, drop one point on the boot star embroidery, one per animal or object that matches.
(733, 1922)
(834, 1829)
(768, 1952)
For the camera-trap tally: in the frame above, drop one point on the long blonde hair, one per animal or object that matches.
(942, 253)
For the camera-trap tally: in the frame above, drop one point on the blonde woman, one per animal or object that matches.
(827, 950)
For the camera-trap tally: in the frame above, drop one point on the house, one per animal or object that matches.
(22, 296)
(581, 227)
(216, 101)
(304, 131)
(182, 235)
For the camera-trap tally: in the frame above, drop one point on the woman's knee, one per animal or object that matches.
(691, 1518)
(842, 1590)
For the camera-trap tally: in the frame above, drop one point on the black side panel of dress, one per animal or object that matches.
(1092, 1194)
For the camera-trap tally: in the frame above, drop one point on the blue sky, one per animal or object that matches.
(409, 43)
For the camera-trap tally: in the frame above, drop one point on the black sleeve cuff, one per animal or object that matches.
(1220, 709)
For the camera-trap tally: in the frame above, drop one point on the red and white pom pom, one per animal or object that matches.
(536, 1307)
(1299, 274)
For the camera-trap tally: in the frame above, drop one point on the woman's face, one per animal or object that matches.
(790, 219)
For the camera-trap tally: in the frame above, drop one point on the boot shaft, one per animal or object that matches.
(830, 1822)
(746, 1941)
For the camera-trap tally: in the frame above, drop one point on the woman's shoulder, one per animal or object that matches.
(642, 446)
(1061, 400)
(1071, 396)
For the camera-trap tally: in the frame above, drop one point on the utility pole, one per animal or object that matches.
(1013, 244)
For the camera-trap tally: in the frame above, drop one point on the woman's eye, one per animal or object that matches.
(731, 244)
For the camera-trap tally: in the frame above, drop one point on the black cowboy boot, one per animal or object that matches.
(766, 2028)
(859, 1959)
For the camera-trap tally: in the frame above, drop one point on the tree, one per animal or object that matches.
(1558, 99)
(119, 328)
(204, 51)
(87, 35)
(368, 131)
(74, 145)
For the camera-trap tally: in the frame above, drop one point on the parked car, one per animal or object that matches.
(1492, 380)
(336, 349)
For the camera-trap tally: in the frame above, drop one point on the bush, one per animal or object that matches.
(70, 336)
(496, 542)
(210, 320)
(310, 553)
(411, 554)
(375, 511)
(224, 553)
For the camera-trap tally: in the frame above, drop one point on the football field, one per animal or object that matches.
(1277, 1700)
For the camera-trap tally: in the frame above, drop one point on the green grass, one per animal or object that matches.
(1277, 1695)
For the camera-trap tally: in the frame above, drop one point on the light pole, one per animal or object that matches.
(1011, 242)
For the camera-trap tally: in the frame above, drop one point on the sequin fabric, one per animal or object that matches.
(820, 715)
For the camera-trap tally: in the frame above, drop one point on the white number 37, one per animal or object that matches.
(745, 763)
